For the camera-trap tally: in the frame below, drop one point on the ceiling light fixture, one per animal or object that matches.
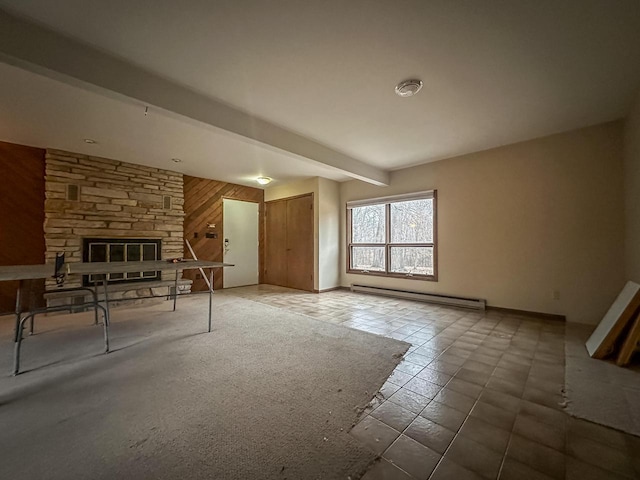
(90, 141)
(176, 160)
(408, 88)
(263, 180)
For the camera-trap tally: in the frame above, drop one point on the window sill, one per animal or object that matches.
(424, 278)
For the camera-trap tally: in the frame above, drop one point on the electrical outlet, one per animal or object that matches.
(556, 295)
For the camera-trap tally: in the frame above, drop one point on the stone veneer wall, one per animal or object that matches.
(116, 199)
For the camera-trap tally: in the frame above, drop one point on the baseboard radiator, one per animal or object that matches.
(473, 303)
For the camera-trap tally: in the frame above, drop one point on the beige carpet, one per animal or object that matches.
(597, 390)
(268, 395)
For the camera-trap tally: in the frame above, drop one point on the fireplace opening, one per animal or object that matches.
(122, 250)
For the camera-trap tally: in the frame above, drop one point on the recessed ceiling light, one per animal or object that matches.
(176, 160)
(263, 180)
(88, 140)
(408, 88)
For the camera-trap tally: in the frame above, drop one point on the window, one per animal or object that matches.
(393, 236)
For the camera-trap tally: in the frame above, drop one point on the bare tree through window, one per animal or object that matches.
(394, 237)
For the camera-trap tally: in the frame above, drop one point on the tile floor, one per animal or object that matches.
(478, 395)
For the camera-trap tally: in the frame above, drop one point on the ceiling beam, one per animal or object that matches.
(38, 49)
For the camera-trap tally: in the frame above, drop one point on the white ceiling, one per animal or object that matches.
(38, 111)
(495, 72)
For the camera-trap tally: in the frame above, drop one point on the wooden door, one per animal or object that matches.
(21, 217)
(300, 243)
(276, 243)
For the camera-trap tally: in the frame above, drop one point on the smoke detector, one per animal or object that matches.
(408, 88)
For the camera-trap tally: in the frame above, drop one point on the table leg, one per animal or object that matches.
(106, 328)
(18, 344)
(94, 292)
(107, 318)
(175, 291)
(210, 295)
(18, 309)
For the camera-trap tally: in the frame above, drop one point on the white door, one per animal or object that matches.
(240, 242)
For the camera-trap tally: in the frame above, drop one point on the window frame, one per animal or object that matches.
(387, 201)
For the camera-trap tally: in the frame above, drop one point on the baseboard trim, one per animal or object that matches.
(512, 311)
(527, 313)
(332, 289)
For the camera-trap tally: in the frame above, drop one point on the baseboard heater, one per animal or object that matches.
(474, 303)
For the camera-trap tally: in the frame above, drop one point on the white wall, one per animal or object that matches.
(516, 223)
(632, 193)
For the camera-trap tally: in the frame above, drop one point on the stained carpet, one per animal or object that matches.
(267, 395)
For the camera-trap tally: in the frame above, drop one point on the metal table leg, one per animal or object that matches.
(210, 295)
(107, 313)
(94, 292)
(175, 291)
(18, 309)
(18, 343)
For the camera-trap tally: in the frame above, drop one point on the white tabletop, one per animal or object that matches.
(31, 272)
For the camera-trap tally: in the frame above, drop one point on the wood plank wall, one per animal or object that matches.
(202, 206)
(21, 215)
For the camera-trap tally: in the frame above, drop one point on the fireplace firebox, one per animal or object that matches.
(122, 250)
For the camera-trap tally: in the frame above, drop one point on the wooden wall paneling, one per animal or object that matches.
(21, 216)
(203, 206)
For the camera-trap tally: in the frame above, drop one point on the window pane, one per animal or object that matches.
(97, 252)
(412, 221)
(415, 260)
(368, 258)
(116, 252)
(149, 252)
(133, 252)
(368, 224)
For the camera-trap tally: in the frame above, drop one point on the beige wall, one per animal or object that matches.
(632, 193)
(518, 222)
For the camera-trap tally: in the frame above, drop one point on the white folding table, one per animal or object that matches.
(33, 272)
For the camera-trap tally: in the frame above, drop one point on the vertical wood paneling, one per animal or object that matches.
(21, 214)
(203, 206)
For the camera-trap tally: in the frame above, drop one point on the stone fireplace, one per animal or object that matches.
(100, 209)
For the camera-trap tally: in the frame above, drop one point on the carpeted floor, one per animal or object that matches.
(268, 395)
(599, 390)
